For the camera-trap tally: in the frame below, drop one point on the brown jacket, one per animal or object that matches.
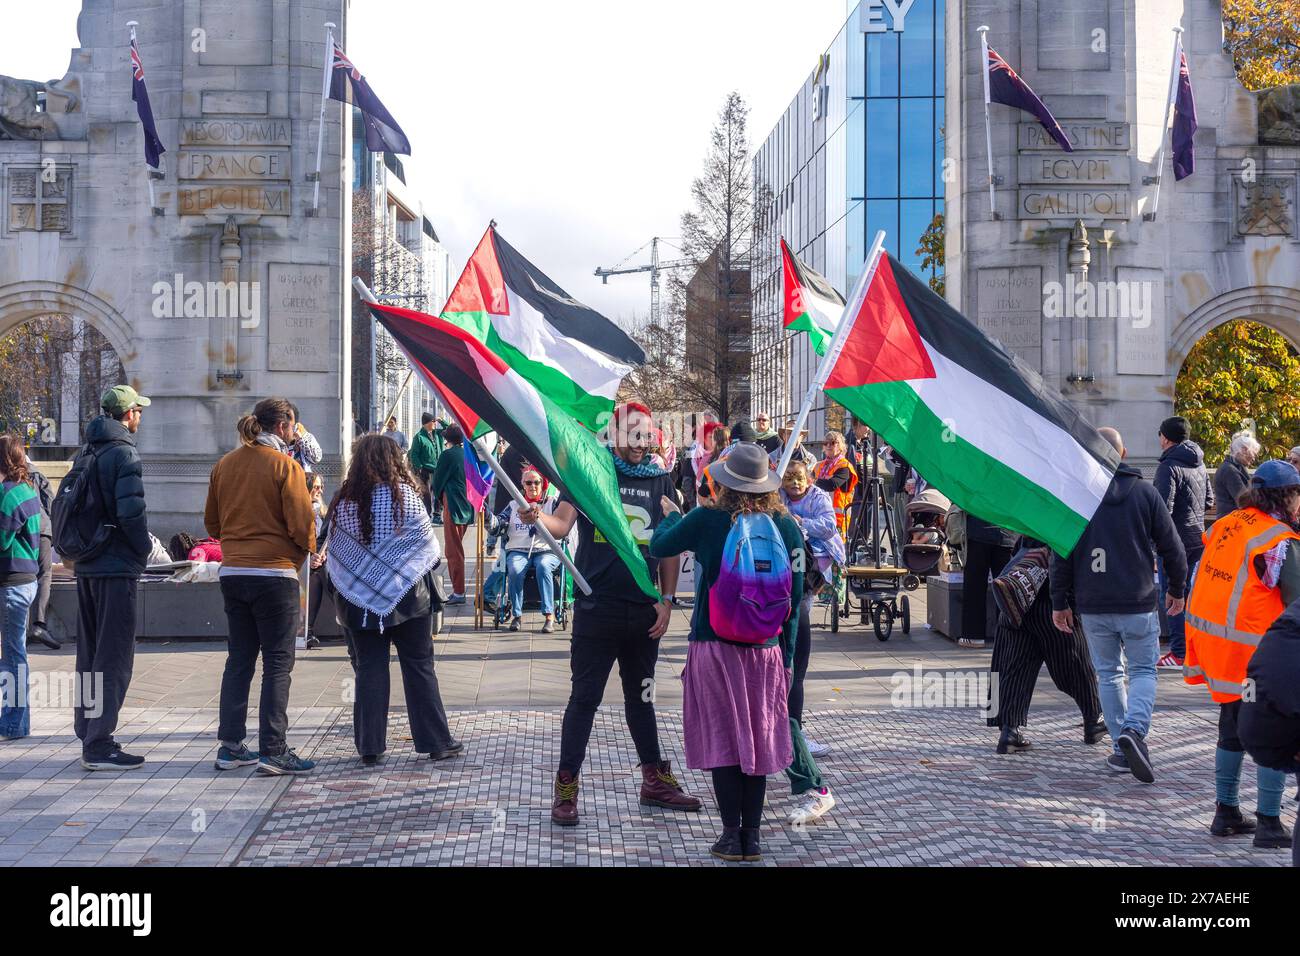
(258, 507)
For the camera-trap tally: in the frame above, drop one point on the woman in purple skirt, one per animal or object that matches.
(734, 708)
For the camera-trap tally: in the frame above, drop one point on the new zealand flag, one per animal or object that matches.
(382, 131)
(1184, 122)
(1006, 87)
(153, 147)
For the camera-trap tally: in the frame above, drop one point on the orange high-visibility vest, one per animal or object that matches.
(841, 498)
(1230, 608)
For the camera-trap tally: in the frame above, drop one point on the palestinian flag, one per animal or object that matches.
(811, 303)
(561, 448)
(569, 352)
(975, 421)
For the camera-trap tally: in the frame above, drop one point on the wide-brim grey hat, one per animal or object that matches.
(746, 468)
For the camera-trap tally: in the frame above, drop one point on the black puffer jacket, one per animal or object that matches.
(1181, 479)
(121, 488)
(1229, 481)
(1270, 717)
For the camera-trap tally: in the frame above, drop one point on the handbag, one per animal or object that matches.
(422, 600)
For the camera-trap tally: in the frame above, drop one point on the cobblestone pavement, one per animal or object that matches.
(914, 787)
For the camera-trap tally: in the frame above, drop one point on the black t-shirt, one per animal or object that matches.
(596, 558)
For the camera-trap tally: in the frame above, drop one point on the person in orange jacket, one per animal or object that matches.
(1248, 575)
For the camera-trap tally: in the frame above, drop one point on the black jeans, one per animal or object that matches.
(263, 616)
(605, 631)
(105, 652)
(315, 595)
(45, 575)
(981, 558)
(368, 651)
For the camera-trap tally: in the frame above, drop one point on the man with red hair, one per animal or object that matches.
(617, 622)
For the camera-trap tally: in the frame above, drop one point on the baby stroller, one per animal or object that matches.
(925, 537)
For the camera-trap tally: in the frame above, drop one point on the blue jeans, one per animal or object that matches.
(1177, 635)
(544, 564)
(15, 718)
(1114, 639)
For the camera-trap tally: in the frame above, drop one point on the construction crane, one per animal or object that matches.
(654, 267)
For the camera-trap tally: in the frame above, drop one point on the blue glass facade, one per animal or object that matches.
(859, 149)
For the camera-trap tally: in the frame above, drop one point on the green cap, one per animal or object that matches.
(120, 399)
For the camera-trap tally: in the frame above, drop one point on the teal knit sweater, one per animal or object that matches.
(704, 531)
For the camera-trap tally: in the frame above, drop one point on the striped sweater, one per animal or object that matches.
(20, 533)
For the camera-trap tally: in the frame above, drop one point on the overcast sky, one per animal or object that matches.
(577, 124)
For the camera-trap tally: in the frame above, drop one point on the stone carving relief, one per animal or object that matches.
(1266, 207)
(20, 115)
(1279, 115)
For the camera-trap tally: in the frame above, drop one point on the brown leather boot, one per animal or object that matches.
(659, 788)
(564, 807)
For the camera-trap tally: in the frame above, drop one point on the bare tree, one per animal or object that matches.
(714, 306)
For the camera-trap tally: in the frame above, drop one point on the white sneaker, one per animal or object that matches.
(815, 804)
(815, 749)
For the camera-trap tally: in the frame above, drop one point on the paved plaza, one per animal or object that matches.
(915, 785)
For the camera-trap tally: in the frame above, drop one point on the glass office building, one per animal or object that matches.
(859, 149)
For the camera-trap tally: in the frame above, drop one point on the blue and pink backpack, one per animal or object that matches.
(750, 600)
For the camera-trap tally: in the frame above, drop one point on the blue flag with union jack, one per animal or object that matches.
(153, 147)
(1006, 87)
(1184, 121)
(382, 131)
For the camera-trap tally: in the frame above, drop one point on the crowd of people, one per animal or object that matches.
(764, 545)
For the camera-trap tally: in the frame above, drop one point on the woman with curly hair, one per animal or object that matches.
(735, 711)
(382, 554)
(20, 530)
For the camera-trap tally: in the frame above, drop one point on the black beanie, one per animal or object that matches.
(428, 417)
(1175, 429)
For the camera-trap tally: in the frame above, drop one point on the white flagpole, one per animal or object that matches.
(506, 483)
(153, 203)
(324, 95)
(1164, 129)
(851, 309)
(988, 131)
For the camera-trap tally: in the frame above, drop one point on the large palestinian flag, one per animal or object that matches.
(568, 351)
(811, 303)
(976, 422)
(487, 390)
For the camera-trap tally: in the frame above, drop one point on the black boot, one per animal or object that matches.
(728, 846)
(1271, 834)
(1229, 821)
(1094, 733)
(1012, 741)
(750, 844)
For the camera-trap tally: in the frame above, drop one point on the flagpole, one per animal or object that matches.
(324, 95)
(988, 131)
(1164, 129)
(851, 308)
(364, 291)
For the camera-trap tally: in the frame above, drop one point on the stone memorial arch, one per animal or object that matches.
(215, 281)
(1222, 244)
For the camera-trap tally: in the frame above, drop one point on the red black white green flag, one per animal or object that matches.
(979, 424)
(810, 302)
(489, 391)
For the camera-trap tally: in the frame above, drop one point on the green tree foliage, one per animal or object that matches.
(931, 253)
(1263, 37)
(1239, 372)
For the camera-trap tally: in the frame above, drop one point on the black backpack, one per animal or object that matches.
(80, 519)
